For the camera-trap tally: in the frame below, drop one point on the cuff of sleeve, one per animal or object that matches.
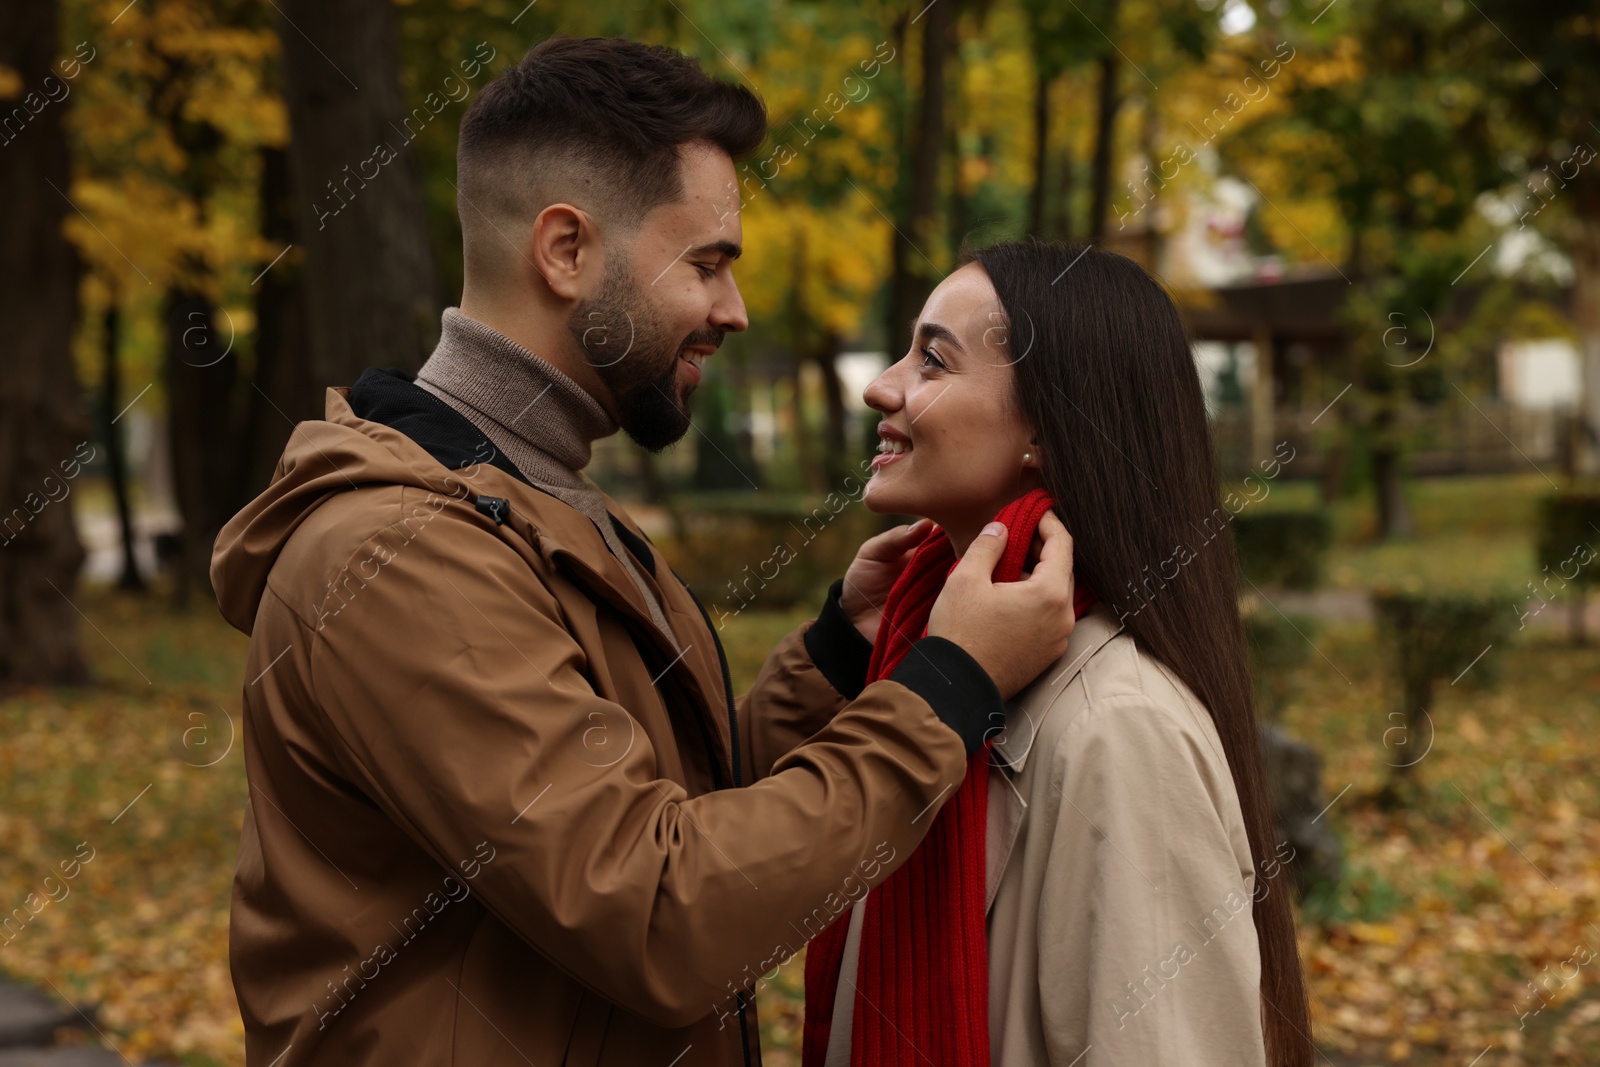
(960, 691)
(837, 647)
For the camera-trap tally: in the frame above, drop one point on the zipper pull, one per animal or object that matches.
(496, 507)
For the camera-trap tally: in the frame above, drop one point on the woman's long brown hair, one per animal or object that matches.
(1106, 378)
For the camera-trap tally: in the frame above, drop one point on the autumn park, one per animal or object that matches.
(1379, 222)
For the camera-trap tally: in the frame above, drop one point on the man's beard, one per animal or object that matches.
(636, 359)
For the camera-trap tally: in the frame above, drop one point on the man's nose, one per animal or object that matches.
(730, 314)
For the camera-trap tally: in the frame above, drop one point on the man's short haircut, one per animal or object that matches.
(596, 122)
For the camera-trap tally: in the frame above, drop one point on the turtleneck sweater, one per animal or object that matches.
(542, 420)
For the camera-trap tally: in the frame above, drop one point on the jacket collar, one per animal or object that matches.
(391, 397)
(441, 449)
(406, 418)
(1026, 711)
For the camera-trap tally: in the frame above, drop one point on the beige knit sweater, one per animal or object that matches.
(542, 420)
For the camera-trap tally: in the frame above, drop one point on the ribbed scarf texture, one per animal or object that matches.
(922, 984)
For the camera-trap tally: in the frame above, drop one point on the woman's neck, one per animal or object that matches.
(962, 535)
(964, 529)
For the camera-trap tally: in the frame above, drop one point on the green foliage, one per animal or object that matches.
(769, 556)
(1363, 896)
(1431, 637)
(1386, 122)
(722, 463)
(1533, 49)
(1277, 646)
(1569, 525)
(1283, 548)
(1435, 636)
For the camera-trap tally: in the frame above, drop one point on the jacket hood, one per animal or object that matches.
(383, 430)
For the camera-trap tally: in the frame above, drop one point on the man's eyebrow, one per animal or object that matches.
(725, 248)
(932, 331)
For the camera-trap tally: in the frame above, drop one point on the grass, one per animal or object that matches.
(1452, 906)
(119, 769)
(1473, 534)
(1422, 956)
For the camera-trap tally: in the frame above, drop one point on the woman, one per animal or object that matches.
(1081, 899)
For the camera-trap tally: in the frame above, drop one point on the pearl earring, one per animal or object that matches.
(1027, 457)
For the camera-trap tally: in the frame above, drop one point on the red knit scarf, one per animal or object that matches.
(922, 987)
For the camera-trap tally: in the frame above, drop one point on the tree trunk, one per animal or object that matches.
(200, 376)
(200, 366)
(1041, 150)
(1334, 469)
(1394, 515)
(1062, 230)
(1585, 251)
(1154, 243)
(654, 488)
(1419, 704)
(370, 289)
(116, 463)
(911, 278)
(743, 439)
(43, 431)
(834, 444)
(811, 477)
(958, 210)
(800, 325)
(651, 485)
(1105, 130)
(282, 393)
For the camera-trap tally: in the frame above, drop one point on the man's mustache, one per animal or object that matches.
(711, 338)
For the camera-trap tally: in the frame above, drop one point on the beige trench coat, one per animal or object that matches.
(1119, 875)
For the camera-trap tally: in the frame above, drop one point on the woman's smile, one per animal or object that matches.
(892, 446)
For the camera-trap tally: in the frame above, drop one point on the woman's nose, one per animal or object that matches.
(882, 394)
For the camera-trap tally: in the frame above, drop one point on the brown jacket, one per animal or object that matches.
(491, 818)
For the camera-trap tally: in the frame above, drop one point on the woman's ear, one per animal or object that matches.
(1032, 458)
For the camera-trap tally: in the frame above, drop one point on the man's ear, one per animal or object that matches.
(564, 248)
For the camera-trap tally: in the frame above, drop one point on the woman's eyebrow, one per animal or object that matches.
(932, 331)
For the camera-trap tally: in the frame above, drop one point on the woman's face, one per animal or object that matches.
(951, 439)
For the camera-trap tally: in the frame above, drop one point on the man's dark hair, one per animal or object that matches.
(596, 122)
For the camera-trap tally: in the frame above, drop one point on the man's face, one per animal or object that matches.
(666, 300)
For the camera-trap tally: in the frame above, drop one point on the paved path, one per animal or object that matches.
(30, 1021)
(1355, 605)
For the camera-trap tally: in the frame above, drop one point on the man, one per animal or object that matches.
(503, 806)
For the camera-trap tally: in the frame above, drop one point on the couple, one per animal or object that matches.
(504, 807)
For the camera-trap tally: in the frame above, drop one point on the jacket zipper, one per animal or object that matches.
(727, 685)
(733, 745)
(716, 764)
